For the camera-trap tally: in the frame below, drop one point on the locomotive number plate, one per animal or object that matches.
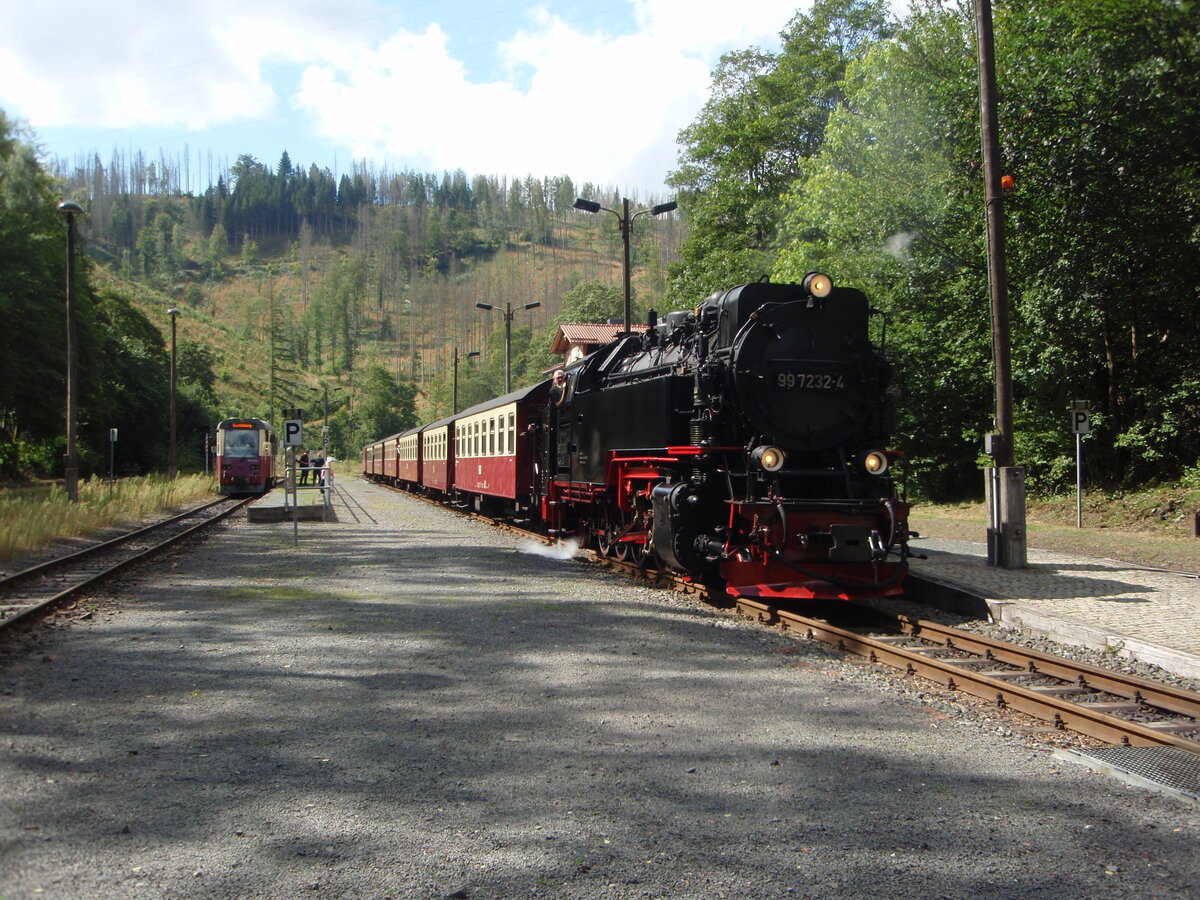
(809, 381)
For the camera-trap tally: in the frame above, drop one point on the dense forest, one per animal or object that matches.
(854, 148)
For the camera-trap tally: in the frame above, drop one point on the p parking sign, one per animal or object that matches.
(293, 433)
(1080, 423)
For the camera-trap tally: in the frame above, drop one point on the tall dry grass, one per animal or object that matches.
(31, 518)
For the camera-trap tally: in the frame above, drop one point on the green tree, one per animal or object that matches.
(591, 301)
(32, 345)
(1102, 100)
(890, 205)
(133, 384)
(1098, 97)
(766, 115)
(385, 406)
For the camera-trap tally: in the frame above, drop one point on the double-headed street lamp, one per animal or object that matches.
(71, 209)
(626, 220)
(454, 405)
(508, 317)
(174, 314)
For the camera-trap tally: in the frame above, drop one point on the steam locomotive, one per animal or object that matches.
(743, 441)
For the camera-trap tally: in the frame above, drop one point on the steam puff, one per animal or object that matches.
(897, 245)
(561, 550)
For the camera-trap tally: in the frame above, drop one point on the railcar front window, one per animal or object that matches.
(241, 445)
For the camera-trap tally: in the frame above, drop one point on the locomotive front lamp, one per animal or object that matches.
(875, 462)
(818, 284)
(771, 459)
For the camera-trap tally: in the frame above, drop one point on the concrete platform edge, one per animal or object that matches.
(965, 601)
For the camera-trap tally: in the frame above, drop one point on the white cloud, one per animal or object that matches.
(186, 65)
(712, 27)
(563, 99)
(597, 107)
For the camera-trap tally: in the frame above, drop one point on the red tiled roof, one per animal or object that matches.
(588, 333)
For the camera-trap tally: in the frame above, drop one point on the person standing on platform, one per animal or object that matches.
(303, 464)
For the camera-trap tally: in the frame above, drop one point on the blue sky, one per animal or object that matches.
(594, 89)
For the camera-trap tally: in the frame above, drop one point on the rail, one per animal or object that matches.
(46, 586)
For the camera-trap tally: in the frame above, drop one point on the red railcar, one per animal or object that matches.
(245, 456)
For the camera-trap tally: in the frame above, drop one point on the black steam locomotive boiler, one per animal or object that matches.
(745, 439)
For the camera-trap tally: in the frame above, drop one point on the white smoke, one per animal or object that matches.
(897, 245)
(561, 550)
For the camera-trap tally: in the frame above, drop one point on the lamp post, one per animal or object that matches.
(626, 220)
(454, 406)
(71, 467)
(508, 317)
(174, 314)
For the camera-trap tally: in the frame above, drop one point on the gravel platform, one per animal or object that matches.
(410, 704)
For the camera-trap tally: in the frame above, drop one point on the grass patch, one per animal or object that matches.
(32, 518)
(1153, 526)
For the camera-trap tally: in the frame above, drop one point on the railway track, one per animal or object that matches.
(1108, 705)
(42, 588)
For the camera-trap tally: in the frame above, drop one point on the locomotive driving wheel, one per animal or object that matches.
(607, 531)
(618, 527)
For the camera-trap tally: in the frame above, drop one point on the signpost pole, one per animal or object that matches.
(1080, 425)
(1078, 480)
(293, 437)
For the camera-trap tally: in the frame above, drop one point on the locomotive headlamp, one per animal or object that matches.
(770, 458)
(875, 462)
(818, 284)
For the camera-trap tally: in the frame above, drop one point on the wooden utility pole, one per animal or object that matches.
(1006, 483)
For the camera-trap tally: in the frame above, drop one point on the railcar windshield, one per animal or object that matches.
(240, 444)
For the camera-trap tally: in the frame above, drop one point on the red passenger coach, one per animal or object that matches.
(408, 458)
(437, 460)
(393, 460)
(245, 456)
(379, 460)
(496, 448)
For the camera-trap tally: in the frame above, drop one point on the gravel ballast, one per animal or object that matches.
(413, 704)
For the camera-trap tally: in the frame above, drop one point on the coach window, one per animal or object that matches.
(512, 433)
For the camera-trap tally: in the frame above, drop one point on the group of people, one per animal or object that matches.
(314, 464)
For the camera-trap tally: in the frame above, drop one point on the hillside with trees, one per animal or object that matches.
(853, 149)
(297, 289)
